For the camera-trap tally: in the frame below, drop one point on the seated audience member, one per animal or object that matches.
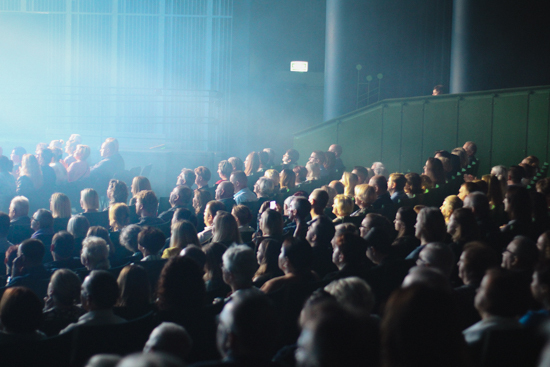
(139, 183)
(396, 187)
(242, 195)
(236, 163)
(117, 253)
(169, 338)
(4, 229)
(467, 188)
(27, 269)
(78, 226)
(313, 171)
(150, 242)
(134, 299)
(318, 157)
(298, 213)
(183, 234)
(342, 208)
(89, 201)
(224, 171)
(365, 196)
(146, 207)
(319, 236)
(186, 177)
(463, 229)
(62, 249)
(98, 296)
(210, 212)
(451, 203)
(239, 267)
(301, 174)
(180, 197)
(406, 241)
(119, 217)
(287, 180)
(521, 256)
(295, 261)
(42, 225)
(379, 169)
(271, 226)
(427, 277)
(224, 193)
(517, 204)
(62, 301)
(271, 157)
(540, 288)
(202, 176)
(475, 260)
(373, 220)
(58, 167)
(79, 169)
(21, 315)
(252, 163)
(95, 254)
(20, 223)
(7, 184)
(435, 171)
(268, 258)
(30, 181)
(60, 206)
(196, 254)
(265, 190)
(112, 162)
(348, 255)
(478, 203)
(429, 227)
(413, 188)
(501, 298)
(129, 239)
(225, 229)
(420, 328)
(383, 204)
(337, 150)
(350, 181)
(352, 293)
(213, 275)
(243, 216)
(362, 174)
(200, 200)
(516, 174)
(335, 335)
(290, 159)
(117, 192)
(70, 148)
(437, 255)
(318, 200)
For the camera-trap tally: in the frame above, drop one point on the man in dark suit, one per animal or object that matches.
(112, 162)
(180, 197)
(224, 193)
(20, 223)
(383, 204)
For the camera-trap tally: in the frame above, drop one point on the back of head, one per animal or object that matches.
(432, 225)
(476, 259)
(140, 183)
(299, 254)
(184, 194)
(152, 239)
(353, 293)
(399, 180)
(380, 182)
(149, 200)
(185, 214)
(134, 286)
(169, 338)
(241, 262)
(33, 250)
(526, 252)
(516, 174)
(324, 230)
(228, 189)
(378, 239)
(438, 255)
(239, 176)
(302, 206)
(479, 202)
(194, 253)
(129, 237)
(89, 199)
(321, 198)
(60, 205)
(427, 277)
(65, 286)
(78, 226)
(518, 203)
(95, 253)
(183, 234)
(352, 247)
(63, 244)
(225, 228)
(118, 191)
(44, 218)
(20, 205)
(101, 288)
(20, 311)
(264, 187)
(242, 214)
(150, 360)
(225, 168)
(343, 205)
(271, 223)
(181, 286)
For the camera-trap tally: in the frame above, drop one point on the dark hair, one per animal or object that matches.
(433, 224)
(203, 172)
(408, 217)
(152, 239)
(506, 294)
(526, 252)
(516, 173)
(325, 229)
(134, 286)
(415, 183)
(269, 264)
(243, 214)
(63, 244)
(301, 173)
(477, 259)
(302, 206)
(299, 254)
(32, 249)
(20, 310)
(119, 191)
(435, 171)
(468, 229)
(519, 203)
(293, 155)
(103, 233)
(102, 288)
(185, 214)
(149, 200)
(214, 252)
(353, 247)
(129, 237)
(181, 286)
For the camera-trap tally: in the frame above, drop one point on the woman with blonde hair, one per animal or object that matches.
(30, 177)
(134, 298)
(89, 201)
(451, 203)
(139, 183)
(60, 206)
(225, 229)
(349, 180)
(342, 208)
(119, 216)
(183, 234)
(365, 195)
(79, 169)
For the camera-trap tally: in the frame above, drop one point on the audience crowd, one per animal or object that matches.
(276, 264)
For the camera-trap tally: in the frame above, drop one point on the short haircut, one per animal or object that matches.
(351, 245)
(63, 244)
(380, 181)
(21, 205)
(242, 213)
(170, 338)
(152, 239)
(477, 259)
(506, 294)
(299, 253)
(225, 168)
(516, 173)
(20, 310)
(343, 204)
(19, 151)
(241, 262)
(293, 155)
(302, 206)
(266, 186)
(95, 252)
(188, 176)
(439, 256)
(149, 200)
(240, 177)
(4, 224)
(526, 252)
(325, 229)
(65, 286)
(129, 237)
(90, 198)
(237, 163)
(184, 192)
(352, 292)
(432, 224)
(321, 198)
(78, 226)
(44, 218)
(32, 249)
(185, 214)
(213, 207)
(203, 172)
(399, 180)
(83, 151)
(102, 288)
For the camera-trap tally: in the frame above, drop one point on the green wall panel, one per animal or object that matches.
(440, 126)
(537, 128)
(361, 137)
(319, 139)
(475, 118)
(411, 144)
(391, 136)
(509, 129)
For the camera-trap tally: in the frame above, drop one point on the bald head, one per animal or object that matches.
(225, 190)
(318, 200)
(380, 184)
(181, 196)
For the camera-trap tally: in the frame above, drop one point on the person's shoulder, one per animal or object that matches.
(274, 284)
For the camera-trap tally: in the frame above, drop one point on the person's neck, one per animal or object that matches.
(236, 287)
(146, 214)
(90, 210)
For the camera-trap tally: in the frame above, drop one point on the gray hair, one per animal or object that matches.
(20, 204)
(241, 262)
(352, 291)
(95, 253)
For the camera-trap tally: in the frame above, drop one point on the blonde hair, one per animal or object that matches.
(31, 169)
(82, 151)
(119, 216)
(349, 180)
(365, 194)
(343, 205)
(140, 183)
(183, 234)
(89, 199)
(60, 205)
(273, 175)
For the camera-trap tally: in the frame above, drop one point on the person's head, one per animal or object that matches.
(181, 286)
(502, 293)
(543, 244)
(242, 214)
(287, 179)
(202, 176)
(291, 156)
(414, 184)
(129, 237)
(264, 160)
(60, 205)
(89, 200)
(404, 222)
(239, 180)
(378, 169)
(71, 144)
(239, 266)
(336, 149)
(268, 256)
(463, 226)
(251, 163)
(264, 187)
(181, 196)
(119, 216)
(377, 244)
(462, 155)
(437, 255)
(475, 260)
(313, 171)
(194, 253)
(321, 232)
(17, 154)
(225, 229)
(362, 174)
(299, 208)
(236, 163)
(62, 245)
(271, 223)
(150, 241)
(318, 200)
(379, 183)
(470, 147)
(365, 195)
(42, 219)
(133, 284)
(430, 225)
(375, 220)
(520, 254)
(343, 205)
(184, 214)
(200, 199)
(478, 203)
(32, 252)
(247, 327)
(225, 190)
(295, 256)
(45, 157)
(82, 152)
(397, 182)
(64, 288)
(99, 291)
(19, 207)
(352, 292)
(183, 234)
(271, 155)
(31, 169)
(450, 204)
(109, 148)
(349, 180)
(224, 169)
(147, 203)
(20, 311)
(78, 226)
(517, 203)
(186, 177)
(540, 286)
(348, 249)
(211, 210)
(95, 253)
(435, 171)
(169, 338)
(140, 183)
(117, 191)
(301, 174)
(421, 328)
(516, 174)
(213, 265)
(438, 90)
